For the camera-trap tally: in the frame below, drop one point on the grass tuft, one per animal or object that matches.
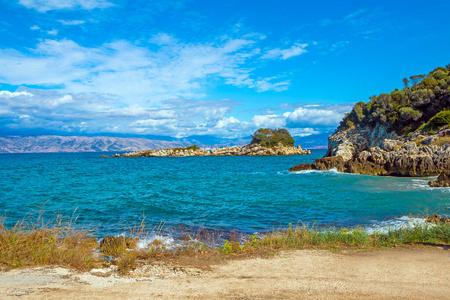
(34, 242)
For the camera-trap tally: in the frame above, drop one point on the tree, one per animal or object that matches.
(267, 137)
(405, 82)
(417, 78)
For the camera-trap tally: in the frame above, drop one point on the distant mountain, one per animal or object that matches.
(316, 141)
(209, 141)
(55, 143)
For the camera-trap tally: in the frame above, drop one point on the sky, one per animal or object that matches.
(178, 68)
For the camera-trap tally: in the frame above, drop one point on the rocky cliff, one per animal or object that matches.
(249, 150)
(404, 133)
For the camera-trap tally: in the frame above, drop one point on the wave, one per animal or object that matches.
(405, 222)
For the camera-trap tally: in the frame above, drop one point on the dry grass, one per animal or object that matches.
(441, 141)
(34, 242)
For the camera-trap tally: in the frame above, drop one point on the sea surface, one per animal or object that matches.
(248, 194)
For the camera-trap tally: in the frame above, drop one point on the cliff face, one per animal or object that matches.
(404, 133)
(349, 143)
(391, 157)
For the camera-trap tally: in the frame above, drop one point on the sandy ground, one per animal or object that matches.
(303, 274)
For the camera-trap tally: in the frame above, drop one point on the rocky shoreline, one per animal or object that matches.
(248, 150)
(376, 152)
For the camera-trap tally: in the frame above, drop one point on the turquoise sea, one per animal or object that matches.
(248, 194)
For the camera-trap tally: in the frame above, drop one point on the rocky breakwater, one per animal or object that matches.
(248, 150)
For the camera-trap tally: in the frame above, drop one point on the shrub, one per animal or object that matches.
(439, 120)
(408, 113)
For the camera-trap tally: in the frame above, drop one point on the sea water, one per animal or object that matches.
(248, 194)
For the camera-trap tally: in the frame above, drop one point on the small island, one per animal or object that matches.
(265, 142)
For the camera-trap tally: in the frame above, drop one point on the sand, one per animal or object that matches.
(301, 274)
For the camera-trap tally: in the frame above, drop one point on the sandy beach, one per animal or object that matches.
(301, 274)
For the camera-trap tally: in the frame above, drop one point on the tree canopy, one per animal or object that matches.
(406, 110)
(267, 137)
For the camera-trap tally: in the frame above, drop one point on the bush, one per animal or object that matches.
(439, 120)
(408, 113)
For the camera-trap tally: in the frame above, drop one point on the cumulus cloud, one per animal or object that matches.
(304, 116)
(97, 113)
(284, 54)
(93, 113)
(47, 5)
(269, 121)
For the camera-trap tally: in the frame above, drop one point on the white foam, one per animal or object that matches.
(145, 243)
(404, 222)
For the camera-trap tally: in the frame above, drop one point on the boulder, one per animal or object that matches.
(327, 163)
(302, 167)
(435, 219)
(443, 180)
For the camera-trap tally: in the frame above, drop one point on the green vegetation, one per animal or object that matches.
(422, 100)
(35, 243)
(269, 138)
(192, 147)
(439, 120)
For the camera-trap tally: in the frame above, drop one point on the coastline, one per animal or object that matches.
(416, 273)
(248, 150)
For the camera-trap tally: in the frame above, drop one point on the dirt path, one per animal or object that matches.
(392, 274)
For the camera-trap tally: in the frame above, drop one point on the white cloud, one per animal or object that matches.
(324, 116)
(35, 27)
(136, 73)
(95, 113)
(8, 94)
(53, 32)
(302, 132)
(269, 121)
(354, 14)
(47, 5)
(284, 54)
(72, 22)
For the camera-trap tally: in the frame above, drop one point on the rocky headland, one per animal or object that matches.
(404, 133)
(265, 142)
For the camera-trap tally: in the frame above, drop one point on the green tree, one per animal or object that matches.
(267, 137)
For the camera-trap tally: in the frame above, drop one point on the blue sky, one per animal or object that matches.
(222, 68)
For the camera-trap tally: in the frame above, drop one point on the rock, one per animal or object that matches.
(252, 149)
(328, 163)
(443, 180)
(435, 219)
(115, 245)
(303, 167)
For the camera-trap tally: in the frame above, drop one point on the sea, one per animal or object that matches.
(244, 194)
